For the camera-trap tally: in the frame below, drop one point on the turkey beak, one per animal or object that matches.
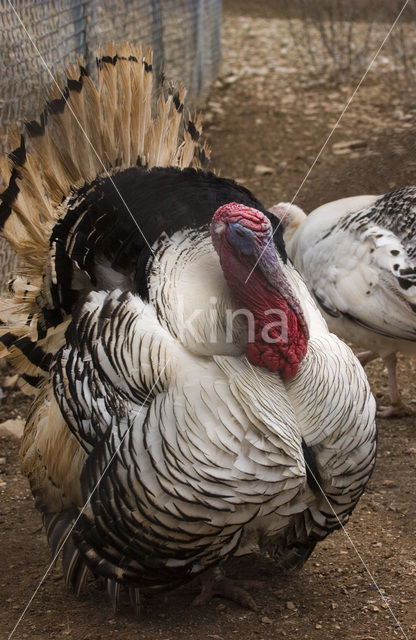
(269, 264)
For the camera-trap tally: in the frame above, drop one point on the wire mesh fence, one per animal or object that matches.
(36, 35)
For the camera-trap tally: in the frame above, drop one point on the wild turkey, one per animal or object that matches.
(358, 257)
(163, 439)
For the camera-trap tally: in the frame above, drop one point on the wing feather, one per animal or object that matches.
(360, 268)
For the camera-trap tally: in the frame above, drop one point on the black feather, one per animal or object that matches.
(163, 200)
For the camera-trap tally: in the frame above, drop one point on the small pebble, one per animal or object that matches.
(262, 170)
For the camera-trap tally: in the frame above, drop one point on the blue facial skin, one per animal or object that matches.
(244, 239)
(258, 246)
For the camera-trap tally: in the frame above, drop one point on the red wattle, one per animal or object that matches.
(280, 355)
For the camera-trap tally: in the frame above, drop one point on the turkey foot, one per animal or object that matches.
(395, 410)
(397, 407)
(215, 583)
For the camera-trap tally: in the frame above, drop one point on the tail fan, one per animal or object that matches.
(86, 132)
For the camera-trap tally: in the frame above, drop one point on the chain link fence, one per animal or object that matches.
(37, 35)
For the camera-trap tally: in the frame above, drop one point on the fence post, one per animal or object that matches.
(80, 26)
(157, 37)
(197, 11)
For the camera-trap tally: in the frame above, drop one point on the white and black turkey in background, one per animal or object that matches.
(187, 443)
(358, 258)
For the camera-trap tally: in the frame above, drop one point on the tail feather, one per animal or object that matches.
(57, 526)
(113, 590)
(85, 131)
(134, 594)
(75, 569)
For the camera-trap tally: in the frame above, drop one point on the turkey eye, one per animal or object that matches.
(240, 232)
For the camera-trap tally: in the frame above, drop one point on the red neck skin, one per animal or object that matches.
(280, 343)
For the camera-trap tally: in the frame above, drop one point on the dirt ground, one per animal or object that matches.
(265, 130)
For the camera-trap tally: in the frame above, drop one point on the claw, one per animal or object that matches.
(215, 583)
